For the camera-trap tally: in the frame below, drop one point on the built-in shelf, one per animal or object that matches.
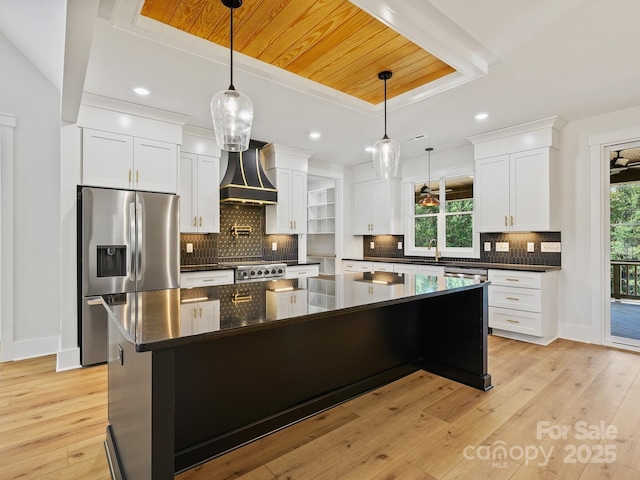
(321, 228)
(322, 294)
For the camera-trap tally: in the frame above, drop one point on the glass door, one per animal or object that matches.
(623, 321)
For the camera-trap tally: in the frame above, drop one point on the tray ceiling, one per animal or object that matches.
(331, 42)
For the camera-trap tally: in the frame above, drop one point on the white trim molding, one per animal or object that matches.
(7, 127)
(600, 145)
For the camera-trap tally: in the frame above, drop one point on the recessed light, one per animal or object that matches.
(481, 116)
(142, 91)
(314, 135)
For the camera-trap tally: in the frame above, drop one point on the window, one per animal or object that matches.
(449, 225)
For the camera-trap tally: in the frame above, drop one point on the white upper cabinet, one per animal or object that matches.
(516, 178)
(376, 208)
(287, 169)
(513, 192)
(199, 193)
(121, 161)
(289, 215)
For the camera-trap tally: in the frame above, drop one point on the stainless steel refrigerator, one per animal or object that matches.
(127, 242)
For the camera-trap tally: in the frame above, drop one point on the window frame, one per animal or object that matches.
(408, 212)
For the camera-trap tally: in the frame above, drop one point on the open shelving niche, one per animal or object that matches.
(321, 228)
(321, 243)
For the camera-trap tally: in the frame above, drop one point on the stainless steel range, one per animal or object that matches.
(258, 271)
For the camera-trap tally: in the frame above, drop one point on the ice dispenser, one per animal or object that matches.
(112, 260)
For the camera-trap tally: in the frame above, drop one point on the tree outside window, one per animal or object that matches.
(450, 223)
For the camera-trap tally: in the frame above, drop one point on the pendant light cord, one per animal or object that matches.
(231, 49)
(385, 108)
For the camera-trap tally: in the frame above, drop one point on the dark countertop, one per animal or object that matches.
(165, 319)
(496, 266)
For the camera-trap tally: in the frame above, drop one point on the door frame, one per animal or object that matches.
(7, 127)
(600, 145)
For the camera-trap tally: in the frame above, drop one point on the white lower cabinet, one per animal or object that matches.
(522, 305)
(367, 292)
(302, 271)
(199, 317)
(403, 268)
(356, 266)
(286, 304)
(206, 278)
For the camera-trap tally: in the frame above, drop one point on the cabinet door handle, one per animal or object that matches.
(513, 298)
(512, 220)
(505, 221)
(137, 177)
(295, 225)
(195, 312)
(195, 223)
(200, 312)
(130, 175)
(512, 321)
(512, 280)
(200, 221)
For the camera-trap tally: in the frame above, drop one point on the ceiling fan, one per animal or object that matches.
(620, 161)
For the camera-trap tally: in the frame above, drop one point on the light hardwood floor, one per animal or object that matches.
(417, 428)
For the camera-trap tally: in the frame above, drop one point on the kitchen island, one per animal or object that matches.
(182, 391)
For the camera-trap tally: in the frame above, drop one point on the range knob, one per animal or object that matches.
(244, 274)
(253, 273)
(279, 270)
(273, 272)
(259, 272)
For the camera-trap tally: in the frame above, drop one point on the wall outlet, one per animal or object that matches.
(372, 245)
(530, 247)
(189, 247)
(274, 246)
(502, 246)
(399, 245)
(550, 247)
(487, 246)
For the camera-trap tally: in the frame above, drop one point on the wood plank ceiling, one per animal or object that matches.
(331, 42)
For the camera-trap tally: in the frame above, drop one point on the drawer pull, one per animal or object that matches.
(513, 280)
(512, 321)
(513, 298)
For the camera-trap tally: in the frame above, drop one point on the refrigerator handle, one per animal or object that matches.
(139, 243)
(131, 269)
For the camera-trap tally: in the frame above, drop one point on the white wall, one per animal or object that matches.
(35, 102)
(576, 320)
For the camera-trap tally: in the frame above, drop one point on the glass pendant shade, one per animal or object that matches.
(232, 111)
(386, 158)
(232, 114)
(386, 152)
(429, 201)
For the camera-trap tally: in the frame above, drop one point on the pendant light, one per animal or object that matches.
(429, 200)
(232, 111)
(386, 152)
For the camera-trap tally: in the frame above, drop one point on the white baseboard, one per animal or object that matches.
(37, 347)
(68, 359)
(544, 341)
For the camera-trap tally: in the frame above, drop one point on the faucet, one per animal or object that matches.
(434, 241)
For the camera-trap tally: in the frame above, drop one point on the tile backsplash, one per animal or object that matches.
(386, 246)
(224, 247)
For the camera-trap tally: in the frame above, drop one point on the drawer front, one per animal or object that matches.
(382, 267)
(515, 278)
(526, 299)
(302, 271)
(357, 267)
(431, 271)
(529, 323)
(412, 269)
(206, 279)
